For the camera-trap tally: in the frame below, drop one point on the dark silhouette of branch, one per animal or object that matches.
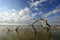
(34, 27)
(8, 30)
(34, 31)
(17, 29)
(47, 25)
(48, 28)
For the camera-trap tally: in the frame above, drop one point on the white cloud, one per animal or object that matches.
(22, 16)
(24, 11)
(36, 3)
(33, 15)
(7, 16)
(40, 13)
(36, 8)
(55, 11)
(52, 12)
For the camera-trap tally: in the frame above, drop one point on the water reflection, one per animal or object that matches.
(26, 32)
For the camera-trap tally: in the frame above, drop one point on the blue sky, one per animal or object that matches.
(22, 10)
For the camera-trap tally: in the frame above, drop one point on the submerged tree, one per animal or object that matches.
(47, 24)
(47, 27)
(17, 28)
(32, 25)
(8, 30)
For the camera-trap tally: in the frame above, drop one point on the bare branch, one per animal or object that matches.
(8, 30)
(17, 29)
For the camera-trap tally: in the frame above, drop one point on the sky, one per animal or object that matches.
(25, 11)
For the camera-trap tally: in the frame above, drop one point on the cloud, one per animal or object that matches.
(40, 13)
(58, 7)
(55, 11)
(36, 3)
(52, 12)
(22, 16)
(6, 16)
(33, 15)
(24, 11)
(36, 8)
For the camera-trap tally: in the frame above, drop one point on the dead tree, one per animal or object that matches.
(34, 31)
(32, 25)
(48, 29)
(8, 30)
(17, 29)
(47, 25)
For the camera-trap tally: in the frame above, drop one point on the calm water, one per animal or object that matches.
(25, 32)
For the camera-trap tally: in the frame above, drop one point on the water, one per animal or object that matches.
(26, 32)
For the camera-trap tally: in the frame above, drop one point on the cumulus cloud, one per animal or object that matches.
(23, 15)
(7, 16)
(24, 11)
